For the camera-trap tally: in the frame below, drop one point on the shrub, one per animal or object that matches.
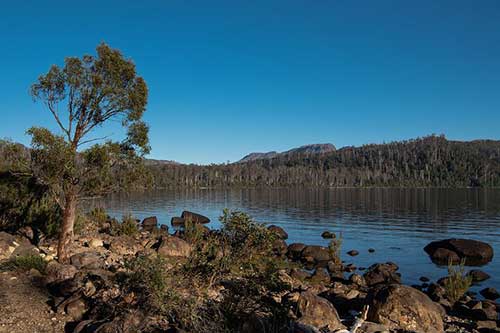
(129, 226)
(457, 283)
(239, 256)
(25, 263)
(193, 232)
(147, 278)
(98, 216)
(335, 248)
(170, 294)
(24, 201)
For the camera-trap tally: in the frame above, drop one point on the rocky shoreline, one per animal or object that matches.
(308, 288)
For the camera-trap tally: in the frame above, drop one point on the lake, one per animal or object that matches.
(397, 223)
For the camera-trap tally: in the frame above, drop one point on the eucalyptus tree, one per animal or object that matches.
(85, 94)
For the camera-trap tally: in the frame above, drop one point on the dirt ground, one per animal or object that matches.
(24, 307)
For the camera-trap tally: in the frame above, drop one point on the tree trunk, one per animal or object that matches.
(68, 222)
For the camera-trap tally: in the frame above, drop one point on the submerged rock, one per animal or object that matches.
(353, 253)
(478, 275)
(328, 234)
(490, 293)
(475, 253)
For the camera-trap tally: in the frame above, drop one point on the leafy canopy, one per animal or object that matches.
(82, 96)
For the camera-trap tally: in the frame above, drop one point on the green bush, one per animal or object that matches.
(170, 294)
(98, 216)
(239, 256)
(193, 232)
(457, 283)
(129, 226)
(335, 248)
(24, 201)
(25, 263)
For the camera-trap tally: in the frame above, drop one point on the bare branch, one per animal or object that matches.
(92, 140)
(58, 120)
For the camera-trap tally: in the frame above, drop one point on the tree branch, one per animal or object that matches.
(92, 140)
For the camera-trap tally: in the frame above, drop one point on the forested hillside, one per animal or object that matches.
(430, 161)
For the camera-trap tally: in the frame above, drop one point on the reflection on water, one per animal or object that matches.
(398, 223)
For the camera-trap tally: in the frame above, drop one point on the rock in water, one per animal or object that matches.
(177, 221)
(353, 253)
(405, 308)
(490, 293)
(327, 234)
(475, 253)
(478, 275)
(318, 312)
(150, 223)
(194, 217)
(318, 253)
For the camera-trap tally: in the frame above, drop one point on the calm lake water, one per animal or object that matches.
(397, 223)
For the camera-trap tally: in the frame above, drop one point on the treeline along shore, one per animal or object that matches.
(431, 161)
(425, 162)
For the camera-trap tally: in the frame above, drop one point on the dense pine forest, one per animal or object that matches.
(431, 161)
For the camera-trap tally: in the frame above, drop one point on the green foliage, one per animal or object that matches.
(129, 226)
(147, 278)
(457, 283)
(94, 90)
(25, 263)
(26, 202)
(170, 294)
(193, 232)
(335, 248)
(87, 93)
(98, 215)
(13, 157)
(239, 256)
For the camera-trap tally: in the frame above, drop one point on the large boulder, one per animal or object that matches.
(294, 250)
(8, 245)
(150, 223)
(278, 231)
(124, 245)
(194, 217)
(59, 272)
(86, 260)
(475, 253)
(405, 308)
(316, 253)
(318, 312)
(172, 246)
(382, 274)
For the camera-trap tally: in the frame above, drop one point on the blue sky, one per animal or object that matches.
(231, 77)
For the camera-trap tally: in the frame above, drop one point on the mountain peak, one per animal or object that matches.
(316, 148)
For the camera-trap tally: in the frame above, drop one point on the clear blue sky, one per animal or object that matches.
(230, 77)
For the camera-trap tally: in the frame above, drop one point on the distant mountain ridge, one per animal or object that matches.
(312, 149)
